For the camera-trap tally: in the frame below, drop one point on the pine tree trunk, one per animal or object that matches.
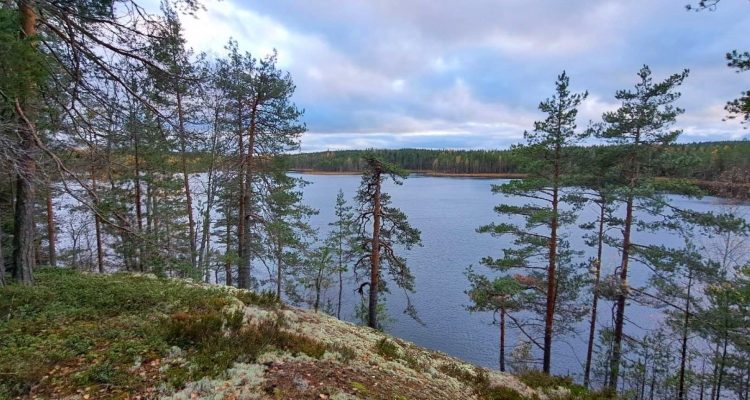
(652, 387)
(683, 353)
(242, 268)
(228, 239)
(372, 311)
(549, 315)
(502, 339)
(341, 273)
(51, 229)
(205, 231)
(186, 179)
(703, 380)
(97, 219)
(595, 300)
(622, 297)
(24, 261)
(138, 195)
(246, 257)
(228, 243)
(722, 364)
(2, 260)
(318, 284)
(715, 372)
(279, 266)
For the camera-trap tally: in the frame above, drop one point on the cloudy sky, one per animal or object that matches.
(470, 73)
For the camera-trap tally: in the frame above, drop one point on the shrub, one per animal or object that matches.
(386, 348)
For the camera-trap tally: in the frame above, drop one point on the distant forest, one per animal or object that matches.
(705, 161)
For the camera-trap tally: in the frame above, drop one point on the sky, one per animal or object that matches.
(470, 74)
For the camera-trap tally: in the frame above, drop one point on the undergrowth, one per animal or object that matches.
(121, 334)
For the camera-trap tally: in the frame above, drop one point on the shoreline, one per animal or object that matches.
(739, 192)
(419, 172)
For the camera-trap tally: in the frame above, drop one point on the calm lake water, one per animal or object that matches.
(448, 211)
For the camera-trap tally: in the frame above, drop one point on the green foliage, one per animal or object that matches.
(101, 327)
(263, 299)
(479, 380)
(546, 382)
(388, 349)
(22, 67)
(537, 379)
(541, 262)
(740, 107)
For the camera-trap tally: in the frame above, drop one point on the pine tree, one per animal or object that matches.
(739, 107)
(287, 230)
(265, 123)
(641, 126)
(380, 228)
(539, 242)
(501, 296)
(176, 91)
(341, 242)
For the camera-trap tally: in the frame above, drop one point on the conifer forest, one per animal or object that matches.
(128, 149)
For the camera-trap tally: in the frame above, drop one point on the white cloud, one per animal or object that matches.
(390, 72)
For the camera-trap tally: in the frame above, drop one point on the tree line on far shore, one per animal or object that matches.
(701, 161)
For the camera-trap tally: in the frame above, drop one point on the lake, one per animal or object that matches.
(448, 211)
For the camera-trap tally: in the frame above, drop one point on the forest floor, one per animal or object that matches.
(83, 336)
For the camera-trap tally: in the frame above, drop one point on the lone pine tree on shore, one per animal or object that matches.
(381, 227)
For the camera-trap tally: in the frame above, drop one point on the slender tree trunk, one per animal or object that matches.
(372, 311)
(722, 363)
(149, 208)
(186, 178)
(279, 267)
(51, 229)
(502, 339)
(2, 260)
(683, 353)
(205, 231)
(595, 300)
(248, 192)
(138, 195)
(703, 380)
(715, 372)
(643, 378)
(341, 270)
(242, 269)
(318, 284)
(228, 239)
(622, 297)
(23, 226)
(653, 383)
(97, 219)
(549, 315)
